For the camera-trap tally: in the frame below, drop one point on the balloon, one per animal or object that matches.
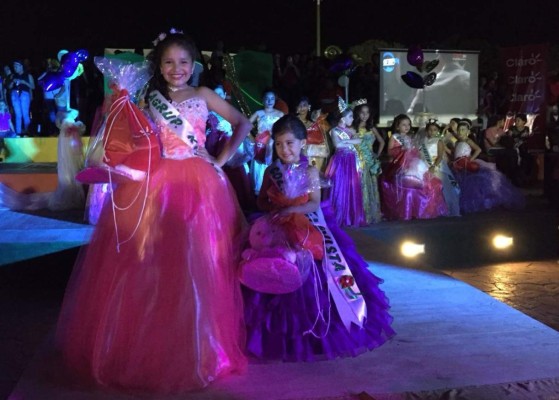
(428, 66)
(61, 53)
(82, 55)
(343, 81)
(51, 81)
(413, 80)
(68, 64)
(429, 79)
(77, 73)
(415, 56)
(341, 65)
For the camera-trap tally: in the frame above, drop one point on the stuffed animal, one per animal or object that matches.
(268, 265)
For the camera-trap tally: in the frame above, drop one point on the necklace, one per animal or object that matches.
(176, 88)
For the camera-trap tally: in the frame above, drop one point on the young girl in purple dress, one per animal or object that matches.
(345, 193)
(339, 310)
(482, 186)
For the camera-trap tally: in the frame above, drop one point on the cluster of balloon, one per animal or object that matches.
(70, 68)
(415, 80)
(344, 66)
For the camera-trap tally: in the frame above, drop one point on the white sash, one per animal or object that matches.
(165, 114)
(341, 284)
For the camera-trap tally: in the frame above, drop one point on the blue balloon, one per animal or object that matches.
(51, 81)
(413, 80)
(82, 55)
(68, 64)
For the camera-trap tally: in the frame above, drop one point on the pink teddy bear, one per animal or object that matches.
(268, 265)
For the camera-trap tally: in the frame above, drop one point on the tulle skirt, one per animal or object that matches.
(409, 191)
(345, 194)
(279, 326)
(487, 189)
(162, 313)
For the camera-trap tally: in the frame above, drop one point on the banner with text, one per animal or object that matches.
(525, 82)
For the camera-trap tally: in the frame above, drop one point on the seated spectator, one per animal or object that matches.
(493, 135)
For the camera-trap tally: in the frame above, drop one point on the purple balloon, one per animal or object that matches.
(430, 79)
(415, 56)
(51, 81)
(341, 65)
(413, 80)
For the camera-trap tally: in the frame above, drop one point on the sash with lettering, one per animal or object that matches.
(341, 283)
(176, 131)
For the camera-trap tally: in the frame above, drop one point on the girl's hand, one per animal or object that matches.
(203, 153)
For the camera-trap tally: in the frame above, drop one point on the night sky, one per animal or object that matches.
(39, 29)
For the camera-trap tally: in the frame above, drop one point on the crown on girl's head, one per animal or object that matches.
(358, 102)
(342, 105)
(163, 35)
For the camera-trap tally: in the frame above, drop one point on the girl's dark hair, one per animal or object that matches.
(289, 123)
(369, 124)
(268, 89)
(301, 99)
(432, 123)
(157, 82)
(522, 116)
(494, 119)
(335, 117)
(397, 119)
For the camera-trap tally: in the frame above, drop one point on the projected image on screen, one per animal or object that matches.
(453, 94)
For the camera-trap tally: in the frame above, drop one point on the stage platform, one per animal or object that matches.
(456, 339)
(33, 149)
(453, 340)
(29, 177)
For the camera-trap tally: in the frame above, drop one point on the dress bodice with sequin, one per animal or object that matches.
(195, 111)
(265, 122)
(432, 146)
(462, 149)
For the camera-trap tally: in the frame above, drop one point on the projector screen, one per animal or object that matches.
(453, 94)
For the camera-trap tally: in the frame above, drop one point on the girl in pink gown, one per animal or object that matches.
(153, 304)
(408, 189)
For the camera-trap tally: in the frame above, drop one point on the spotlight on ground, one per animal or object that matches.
(502, 242)
(410, 249)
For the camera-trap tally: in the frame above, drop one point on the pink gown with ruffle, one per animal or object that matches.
(163, 314)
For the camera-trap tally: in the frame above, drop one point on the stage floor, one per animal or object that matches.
(486, 330)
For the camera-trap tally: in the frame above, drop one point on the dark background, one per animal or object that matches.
(39, 29)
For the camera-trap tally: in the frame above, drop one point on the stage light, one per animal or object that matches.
(502, 242)
(410, 249)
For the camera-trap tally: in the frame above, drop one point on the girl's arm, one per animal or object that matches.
(394, 147)
(269, 151)
(440, 154)
(263, 201)
(253, 117)
(476, 149)
(381, 141)
(240, 124)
